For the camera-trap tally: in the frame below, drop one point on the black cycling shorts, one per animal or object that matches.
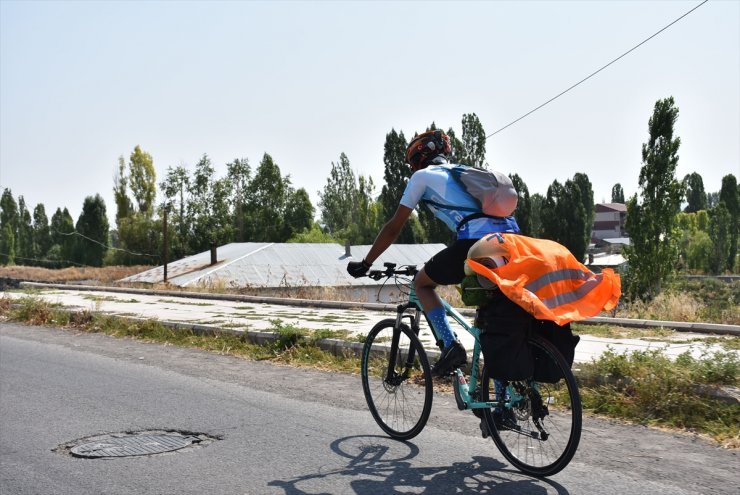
(447, 266)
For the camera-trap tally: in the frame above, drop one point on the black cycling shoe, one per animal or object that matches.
(505, 420)
(483, 425)
(453, 356)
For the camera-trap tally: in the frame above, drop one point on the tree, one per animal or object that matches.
(553, 221)
(396, 174)
(143, 181)
(695, 195)
(62, 237)
(41, 232)
(730, 196)
(712, 200)
(348, 209)
(538, 201)
(267, 193)
(9, 220)
(458, 150)
(617, 193)
(523, 212)
(720, 225)
(299, 214)
(208, 214)
(124, 207)
(314, 235)
(92, 226)
(337, 200)
(24, 239)
(651, 222)
(139, 235)
(699, 251)
(583, 184)
(564, 217)
(175, 187)
(239, 173)
(474, 141)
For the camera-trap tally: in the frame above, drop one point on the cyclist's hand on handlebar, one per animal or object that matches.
(358, 268)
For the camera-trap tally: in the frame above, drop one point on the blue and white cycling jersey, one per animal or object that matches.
(451, 203)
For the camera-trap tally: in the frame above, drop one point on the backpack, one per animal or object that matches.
(493, 191)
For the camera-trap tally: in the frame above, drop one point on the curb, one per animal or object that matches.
(694, 327)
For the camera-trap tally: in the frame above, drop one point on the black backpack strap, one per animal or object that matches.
(473, 217)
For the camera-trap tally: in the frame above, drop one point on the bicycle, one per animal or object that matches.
(397, 383)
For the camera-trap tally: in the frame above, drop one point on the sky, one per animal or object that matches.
(83, 83)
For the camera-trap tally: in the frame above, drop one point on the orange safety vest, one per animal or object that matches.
(545, 279)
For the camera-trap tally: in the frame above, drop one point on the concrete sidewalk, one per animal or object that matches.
(252, 316)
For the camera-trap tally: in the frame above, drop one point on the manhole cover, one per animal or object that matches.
(135, 443)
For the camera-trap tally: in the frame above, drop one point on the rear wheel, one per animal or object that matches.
(396, 379)
(537, 427)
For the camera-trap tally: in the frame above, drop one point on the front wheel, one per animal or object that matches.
(396, 379)
(537, 425)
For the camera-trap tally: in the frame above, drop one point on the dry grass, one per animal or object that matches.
(103, 275)
(671, 306)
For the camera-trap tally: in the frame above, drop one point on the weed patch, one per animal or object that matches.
(649, 388)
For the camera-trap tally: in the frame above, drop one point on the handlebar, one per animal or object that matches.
(390, 271)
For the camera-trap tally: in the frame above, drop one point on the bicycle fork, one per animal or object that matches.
(391, 377)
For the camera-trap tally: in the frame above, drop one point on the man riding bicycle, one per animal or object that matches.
(436, 183)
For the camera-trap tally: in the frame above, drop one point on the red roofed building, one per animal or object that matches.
(609, 221)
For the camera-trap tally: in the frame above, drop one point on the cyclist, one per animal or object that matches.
(434, 182)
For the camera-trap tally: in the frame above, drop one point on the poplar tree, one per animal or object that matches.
(92, 225)
(652, 217)
(582, 182)
(730, 196)
(41, 232)
(62, 238)
(396, 174)
(523, 212)
(617, 193)
(142, 181)
(8, 227)
(720, 224)
(24, 239)
(696, 198)
(474, 141)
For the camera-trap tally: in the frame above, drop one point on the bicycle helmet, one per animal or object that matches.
(491, 251)
(427, 146)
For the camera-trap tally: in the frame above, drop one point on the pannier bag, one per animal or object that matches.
(562, 338)
(505, 328)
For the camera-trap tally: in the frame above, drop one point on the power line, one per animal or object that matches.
(597, 71)
(44, 260)
(74, 232)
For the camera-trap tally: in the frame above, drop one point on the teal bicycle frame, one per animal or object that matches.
(462, 386)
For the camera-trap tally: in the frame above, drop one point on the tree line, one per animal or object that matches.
(261, 205)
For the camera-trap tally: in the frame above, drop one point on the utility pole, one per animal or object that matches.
(166, 244)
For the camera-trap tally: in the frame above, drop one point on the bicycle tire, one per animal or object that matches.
(535, 440)
(399, 396)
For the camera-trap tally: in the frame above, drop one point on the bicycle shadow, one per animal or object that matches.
(381, 465)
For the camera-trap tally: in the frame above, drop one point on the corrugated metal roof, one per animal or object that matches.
(604, 259)
(280, 265)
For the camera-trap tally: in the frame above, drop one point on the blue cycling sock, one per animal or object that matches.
(438, 318)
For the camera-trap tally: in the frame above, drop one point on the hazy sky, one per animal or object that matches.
(82, 83)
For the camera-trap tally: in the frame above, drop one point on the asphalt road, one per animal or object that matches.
(281, 430)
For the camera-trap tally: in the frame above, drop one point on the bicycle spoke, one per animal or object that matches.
(398, 405)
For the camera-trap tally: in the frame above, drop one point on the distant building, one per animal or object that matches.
(608, 222)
